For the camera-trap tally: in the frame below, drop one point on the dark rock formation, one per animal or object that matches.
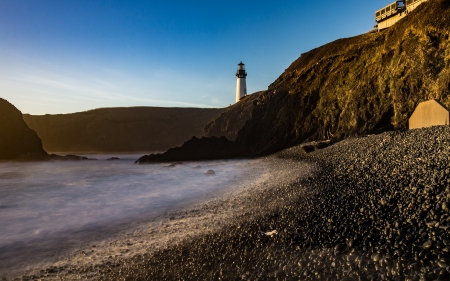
(233, 118)
(17, 141)
(120, 129)
(210, 173)
(196, 149)
(68, 157)
(354, 86)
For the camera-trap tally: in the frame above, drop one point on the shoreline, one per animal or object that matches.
(146, 236)
(376, 208)
(366, 208)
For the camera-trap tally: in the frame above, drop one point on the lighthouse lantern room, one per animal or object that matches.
(241, 86)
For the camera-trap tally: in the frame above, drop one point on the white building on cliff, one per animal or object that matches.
(241, 85)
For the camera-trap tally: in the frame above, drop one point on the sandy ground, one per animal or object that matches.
(111, 246)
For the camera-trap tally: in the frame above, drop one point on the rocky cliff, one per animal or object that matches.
(17, 141)
(360, 85)
(120, 129)
(232, 119)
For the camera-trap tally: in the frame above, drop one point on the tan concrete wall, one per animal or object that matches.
(391, 21)
(411, 7)
(429, 113)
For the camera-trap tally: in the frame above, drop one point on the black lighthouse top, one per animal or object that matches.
(240, 73)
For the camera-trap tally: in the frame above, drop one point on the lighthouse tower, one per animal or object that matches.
(241, 86)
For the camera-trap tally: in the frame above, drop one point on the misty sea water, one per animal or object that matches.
(39, 200)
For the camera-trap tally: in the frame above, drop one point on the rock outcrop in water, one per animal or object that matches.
(17, 141)
(195, 149)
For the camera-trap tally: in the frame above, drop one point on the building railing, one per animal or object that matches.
(391, 9)
(409, 2)
(394, 8)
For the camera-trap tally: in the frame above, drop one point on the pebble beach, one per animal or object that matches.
(366, 208)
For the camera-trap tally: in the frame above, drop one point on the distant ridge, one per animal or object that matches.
(123, 129)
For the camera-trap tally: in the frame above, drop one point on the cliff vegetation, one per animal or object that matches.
(354, 86)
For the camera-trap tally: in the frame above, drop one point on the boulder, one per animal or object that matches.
(307, 149)
(210, 173)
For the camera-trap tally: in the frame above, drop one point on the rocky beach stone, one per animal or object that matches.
(322, 234)
(210, 173)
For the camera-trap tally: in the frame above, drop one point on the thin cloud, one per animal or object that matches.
(73, 90)
(65, 84)
(168, 102)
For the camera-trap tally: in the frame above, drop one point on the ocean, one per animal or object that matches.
(52, 203)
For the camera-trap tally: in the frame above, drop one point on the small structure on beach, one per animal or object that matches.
(394, 12)
(429, 113)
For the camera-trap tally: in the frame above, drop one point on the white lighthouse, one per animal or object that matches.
(241, 86)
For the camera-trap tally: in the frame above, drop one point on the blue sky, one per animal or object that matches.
(69, 56)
